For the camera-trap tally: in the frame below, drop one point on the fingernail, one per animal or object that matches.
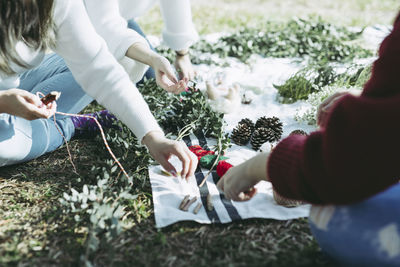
(174, 173)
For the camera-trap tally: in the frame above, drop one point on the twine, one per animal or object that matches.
(102, 135)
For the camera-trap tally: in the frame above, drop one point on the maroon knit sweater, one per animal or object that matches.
(357, 154)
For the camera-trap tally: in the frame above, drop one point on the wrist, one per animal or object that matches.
(182, 53)
(257, 167)
(154, 59)
(152, 136)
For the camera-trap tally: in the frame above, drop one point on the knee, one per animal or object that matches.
(14, 144)
(55, 63)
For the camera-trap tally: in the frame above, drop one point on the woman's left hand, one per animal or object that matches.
(162, 148)
(184, 67)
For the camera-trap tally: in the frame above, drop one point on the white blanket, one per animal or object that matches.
(168, 193)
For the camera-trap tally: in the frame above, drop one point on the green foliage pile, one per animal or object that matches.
(306, 81)
(315, 77)
(352, 80)
(313, 38)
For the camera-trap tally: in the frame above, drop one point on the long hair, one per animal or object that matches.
(29, 21)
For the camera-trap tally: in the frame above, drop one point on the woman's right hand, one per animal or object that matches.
(239, 181)
(162, 149)
(165, 76)
(24, 104)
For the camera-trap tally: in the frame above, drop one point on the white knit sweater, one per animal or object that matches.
(109, 18)
(93, 66)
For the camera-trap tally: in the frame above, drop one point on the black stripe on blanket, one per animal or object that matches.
(202, 140)
(232, 211)
(212, 215)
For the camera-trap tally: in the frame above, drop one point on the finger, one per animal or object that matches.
(167, 85)
(245, 196)
(52, 108)
(324, 109)
(185, 75)
(167, 166)
(230, 195)
(193, 162)
(33, 99)
(170, 74)
(178, 151)
(333, 102)
(220, 184)
(182, 86)
(36, 113)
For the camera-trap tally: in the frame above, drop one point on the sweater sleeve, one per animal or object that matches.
(179, 32)
(96, 70)
(356, 155)
(112, 27)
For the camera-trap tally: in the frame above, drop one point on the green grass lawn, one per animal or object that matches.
(229, 15)
(35, 231)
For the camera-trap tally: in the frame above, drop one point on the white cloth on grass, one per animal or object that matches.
(168, 193)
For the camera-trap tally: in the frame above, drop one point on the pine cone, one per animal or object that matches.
(262, 122)
(272, 123)
(241, 134)
(249, 123)
(299, 132)
(261, 136)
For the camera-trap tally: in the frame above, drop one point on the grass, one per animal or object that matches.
(229, 15)
(34, 231)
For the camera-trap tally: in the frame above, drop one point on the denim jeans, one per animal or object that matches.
(22, 140)
(363, 234)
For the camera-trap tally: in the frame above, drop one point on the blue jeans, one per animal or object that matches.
(22, 140)
(362, 234)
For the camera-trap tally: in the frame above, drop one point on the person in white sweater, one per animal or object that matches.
(114, 21)
(26, 132)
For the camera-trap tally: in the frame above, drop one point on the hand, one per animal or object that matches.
(184, 67)
(165, 76)
(326, 106)
(24, 104)
(161, 149)
(238, 182)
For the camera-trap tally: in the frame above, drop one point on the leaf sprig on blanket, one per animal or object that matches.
(315, 77)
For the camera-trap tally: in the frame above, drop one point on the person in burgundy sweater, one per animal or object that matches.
(351, 162)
